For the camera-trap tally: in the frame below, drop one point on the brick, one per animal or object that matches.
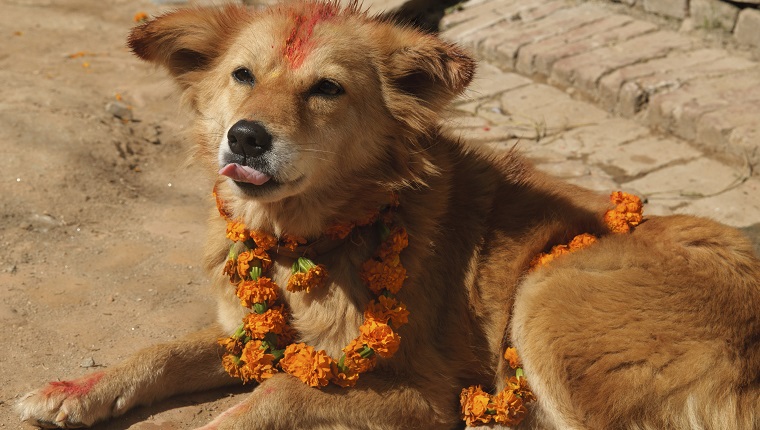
(670, 8)
(665, 74)
(711, 14)
(679, 111)
(507, 43)
(491, 134)
(490, 81)
(585, 140)
(538, 57)
(738, 207)
(748, 27)
(457, 122)
(585, 70)
(470, 13)
(530, 54)
(598, 182)
(644, 155)
(548, 109)
(610, 85)
(697, 178)
(570, 169)
(714, 128)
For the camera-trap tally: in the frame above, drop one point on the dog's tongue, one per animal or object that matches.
(244, 174)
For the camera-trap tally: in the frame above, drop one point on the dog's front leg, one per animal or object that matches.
(283, 402)
(187, 365)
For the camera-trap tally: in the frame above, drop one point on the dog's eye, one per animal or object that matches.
(327, 87)
(244, 76)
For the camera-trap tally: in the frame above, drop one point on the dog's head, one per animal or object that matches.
(301, 97)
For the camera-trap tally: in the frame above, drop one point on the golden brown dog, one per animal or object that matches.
(310, 114)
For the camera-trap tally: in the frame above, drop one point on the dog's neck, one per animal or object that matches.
(307, 215)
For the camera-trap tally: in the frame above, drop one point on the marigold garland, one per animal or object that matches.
(263, 344)
(627, 213)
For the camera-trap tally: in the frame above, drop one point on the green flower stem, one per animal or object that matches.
(519, 372)
(366, 352)
(384, 231)
(239, 332)
(232, 255)
(259, 308)
(255, 272)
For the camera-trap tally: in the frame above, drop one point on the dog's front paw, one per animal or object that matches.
(71, 404)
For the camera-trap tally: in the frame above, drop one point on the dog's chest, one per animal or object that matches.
(327, 318)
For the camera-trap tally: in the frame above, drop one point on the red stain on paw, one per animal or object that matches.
(77, 387)
(298, 44)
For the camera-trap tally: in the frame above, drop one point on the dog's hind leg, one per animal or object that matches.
(187, 365)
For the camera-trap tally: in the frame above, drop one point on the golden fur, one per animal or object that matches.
(655, 329)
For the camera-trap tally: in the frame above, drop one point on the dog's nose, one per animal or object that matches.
(249, 138)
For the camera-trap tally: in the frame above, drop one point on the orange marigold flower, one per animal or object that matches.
(265, 241)
(256, 364)
(140, 17)
(511, 356)
(231, 345)
(231, 364)
(315, 277)
(339, 231)
(343, 379)
(236, 231)
(510, 410)
(474, 403)
(244, 264)
(354, 361)
(578, 242)
(380, 337)
(230, 269)
(380, 275)
(628, 212)
(312, 367)
(387, 309)
(396, 242)
(292, 242)
(271, 321)
(519, 386)
(262, 290)
(262, 255)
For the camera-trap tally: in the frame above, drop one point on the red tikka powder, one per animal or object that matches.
(298, 44)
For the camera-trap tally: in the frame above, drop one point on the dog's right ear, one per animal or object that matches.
(187, 40)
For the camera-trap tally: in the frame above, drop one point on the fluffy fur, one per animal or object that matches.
(654, 329)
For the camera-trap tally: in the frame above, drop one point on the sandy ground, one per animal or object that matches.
(101, 226)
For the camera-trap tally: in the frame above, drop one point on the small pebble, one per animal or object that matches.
(87, 362)
(119, 110)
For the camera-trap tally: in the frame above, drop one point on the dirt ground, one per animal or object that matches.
(101, 226)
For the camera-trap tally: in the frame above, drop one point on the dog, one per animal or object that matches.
(312, 115)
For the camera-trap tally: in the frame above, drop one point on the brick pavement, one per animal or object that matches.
(608, 101)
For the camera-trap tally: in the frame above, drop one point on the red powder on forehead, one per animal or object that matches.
(298, 44)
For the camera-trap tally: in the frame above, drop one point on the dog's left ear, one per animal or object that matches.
(423, 75)
(187, 40)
